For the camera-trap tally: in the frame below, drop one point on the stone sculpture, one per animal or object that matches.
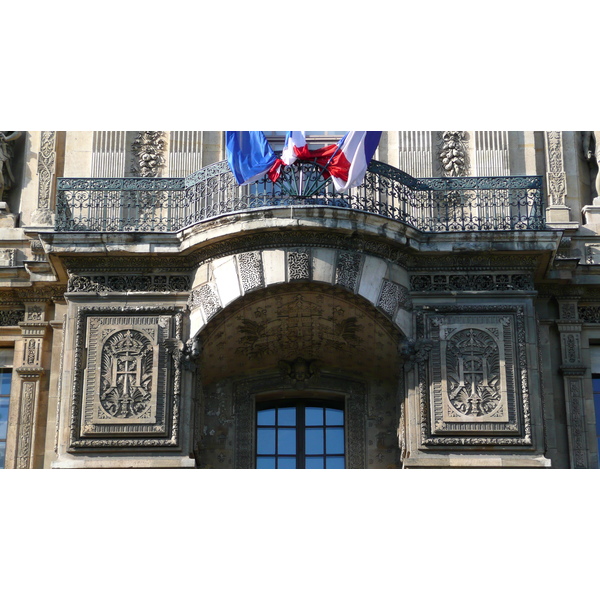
(6, 155)
(591, 152)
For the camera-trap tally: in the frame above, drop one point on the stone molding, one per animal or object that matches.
(443, 422)
(160, 333)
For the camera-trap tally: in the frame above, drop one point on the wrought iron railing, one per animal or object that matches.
(429, 205)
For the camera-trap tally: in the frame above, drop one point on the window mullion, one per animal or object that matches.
(300, 436)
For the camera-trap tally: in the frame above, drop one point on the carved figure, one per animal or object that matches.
(299, 370)
(5, 159)
(591, 152)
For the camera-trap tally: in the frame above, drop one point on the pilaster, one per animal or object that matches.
(573, 371)
(31, 378)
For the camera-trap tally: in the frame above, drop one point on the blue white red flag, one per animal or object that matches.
(249, 155)
(349, 162)
(345, 162)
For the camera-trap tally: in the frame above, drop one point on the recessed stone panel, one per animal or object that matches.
(127, 380)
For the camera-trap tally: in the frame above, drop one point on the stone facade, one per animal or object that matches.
(151, 304)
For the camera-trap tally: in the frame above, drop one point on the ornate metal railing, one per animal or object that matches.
(429, 205)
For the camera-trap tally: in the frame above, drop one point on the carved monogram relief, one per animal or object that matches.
(126, 389)
(475, 380)
(475, 384)
(127, 372)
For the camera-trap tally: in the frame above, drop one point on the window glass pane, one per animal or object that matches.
(314, 415)
(266, 417)
(5, 379)
(265, 441)
(3, 409)
(3, 428)
(287, 416)
(314, 441)
(287, 441)
(597, 409)
(2, 454)
(335, 462)
(596, 384)
(286, 462)
(265, 462)
(315, 462)
(334, 416)
(335, 441)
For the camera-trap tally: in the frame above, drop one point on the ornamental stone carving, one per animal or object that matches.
(474, 386)
(557, 182)
(126, 387)
(126, 376)
(453, 155)
(148, 154)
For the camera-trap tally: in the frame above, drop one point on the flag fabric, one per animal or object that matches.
(345, 162)
(249, 155)
(348, 164)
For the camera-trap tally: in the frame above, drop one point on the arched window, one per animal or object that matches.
(303, 434)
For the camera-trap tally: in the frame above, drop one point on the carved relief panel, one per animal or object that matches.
(476, 380)
(127, 377)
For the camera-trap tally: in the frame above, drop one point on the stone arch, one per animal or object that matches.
(298, 339)
(220, 282)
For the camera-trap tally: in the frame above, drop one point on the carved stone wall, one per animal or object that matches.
(474, 387)
(127, 378)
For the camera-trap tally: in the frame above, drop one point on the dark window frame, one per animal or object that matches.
(300, 404)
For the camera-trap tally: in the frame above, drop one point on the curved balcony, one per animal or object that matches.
(431, 205)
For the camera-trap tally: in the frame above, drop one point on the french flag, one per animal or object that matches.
(249, 155)
(345, 162)
(349, 162)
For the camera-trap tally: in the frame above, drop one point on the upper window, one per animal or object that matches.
(5, 381)
(303, 434)
(314, 139)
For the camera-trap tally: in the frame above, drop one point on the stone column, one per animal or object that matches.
(31, 377)
(573, 371)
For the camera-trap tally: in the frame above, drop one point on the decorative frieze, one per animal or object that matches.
(207, 298)
(491, 282)
(128, 283)
(392, 296)
(589, 313)
(11, 317)
(474, 387)
(127, 379)
(348, 269)
(298, 261)
(251, 271)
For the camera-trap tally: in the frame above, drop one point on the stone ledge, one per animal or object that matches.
(119, 462)
(477, 462)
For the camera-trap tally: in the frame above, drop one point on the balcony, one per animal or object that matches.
(432, 205)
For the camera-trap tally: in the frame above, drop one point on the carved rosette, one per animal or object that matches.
(126, 388)
(474, 385)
